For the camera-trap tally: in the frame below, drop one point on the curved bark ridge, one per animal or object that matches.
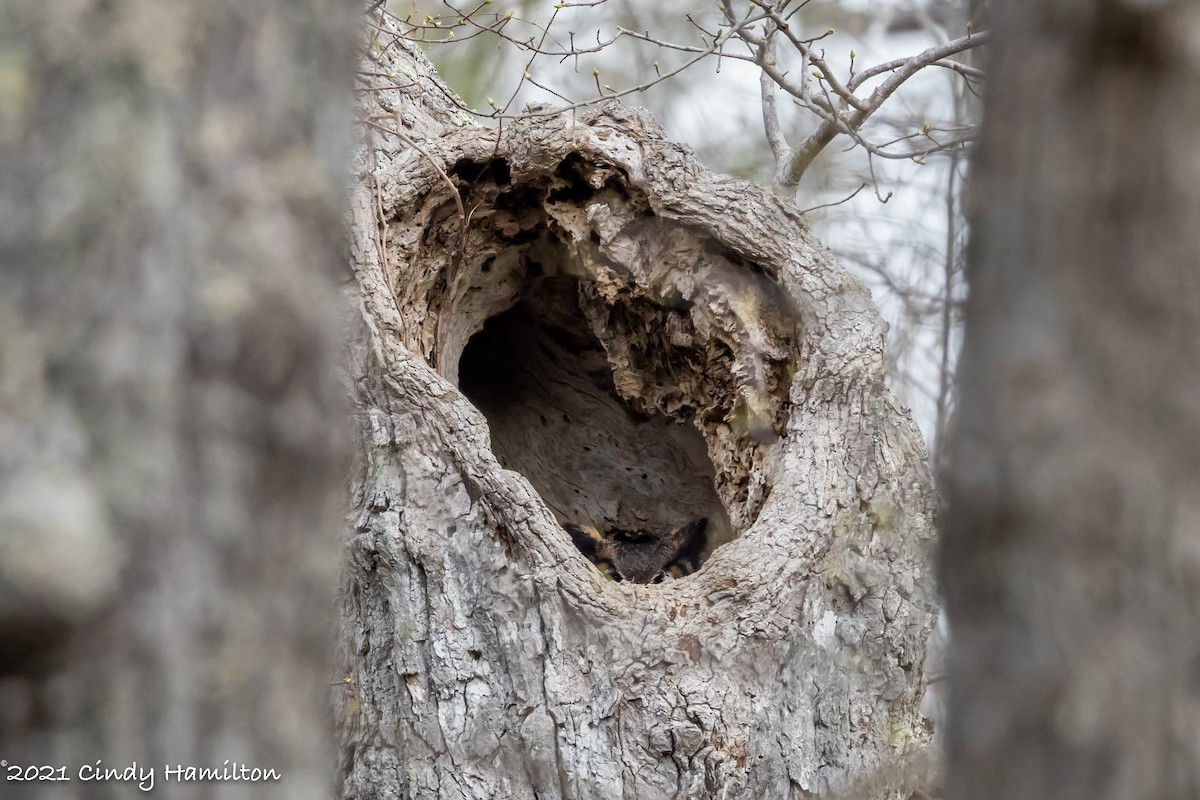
(626, 366)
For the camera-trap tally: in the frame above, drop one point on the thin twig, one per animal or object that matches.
(845, 199)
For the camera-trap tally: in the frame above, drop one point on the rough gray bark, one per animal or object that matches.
(171, 457)
(1071, 567)
(662, 341)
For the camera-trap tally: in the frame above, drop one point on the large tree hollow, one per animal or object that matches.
(544, 383)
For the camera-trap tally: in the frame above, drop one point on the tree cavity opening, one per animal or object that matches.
(545, 384)
(633, 368)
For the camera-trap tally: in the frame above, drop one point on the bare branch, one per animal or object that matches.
(913, 64)
(818, 89)
(972, 73)
(803, 46)
(845, 199)
(816, 142)
(771, 124)
(700, 54)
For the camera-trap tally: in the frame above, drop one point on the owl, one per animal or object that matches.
(640, 556)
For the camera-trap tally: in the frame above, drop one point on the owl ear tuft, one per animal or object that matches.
(686, 546)
(595, 548)
(586, 538)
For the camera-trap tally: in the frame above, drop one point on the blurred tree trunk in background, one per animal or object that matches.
(171, 179)
(1072, 553)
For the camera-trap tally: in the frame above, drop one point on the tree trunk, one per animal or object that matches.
(569, 319)
(170, 461)
(1071, 565)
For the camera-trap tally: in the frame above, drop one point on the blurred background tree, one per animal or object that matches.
(171, 459)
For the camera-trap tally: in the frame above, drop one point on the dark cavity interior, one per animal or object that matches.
(544, 383)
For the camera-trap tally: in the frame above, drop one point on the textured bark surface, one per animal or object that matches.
(1071, 569)
(663, 342)
(171, 460)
